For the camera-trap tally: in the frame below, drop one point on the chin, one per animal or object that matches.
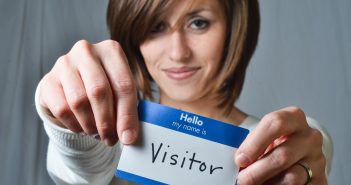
(186, 92)
(183, 95)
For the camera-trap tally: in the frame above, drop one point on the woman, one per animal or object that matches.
(196, 52)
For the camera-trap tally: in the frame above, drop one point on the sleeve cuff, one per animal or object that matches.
(327, 143)
(62, 137)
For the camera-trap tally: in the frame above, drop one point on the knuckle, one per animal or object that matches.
(105, 130)
(61, 112)
(98, 91)
(125, 86)
(62, 58)
(297, 110)
(46, 80)
(298, 113)
(112, 48)
(126, 115)
(292, 179)
(317, 137)
(103, 127)
(280, 157)
(275, 122)
(127, 120)
(82, 49)
(78, 100)
(247, 178)
(81, 45)
(112, 44)
(62, 62)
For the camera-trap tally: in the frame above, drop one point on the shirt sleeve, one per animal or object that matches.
(327, 147)
(76, 158)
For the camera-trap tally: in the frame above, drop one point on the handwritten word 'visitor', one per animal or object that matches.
(175, 159)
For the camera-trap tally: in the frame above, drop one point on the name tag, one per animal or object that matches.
(178, 147)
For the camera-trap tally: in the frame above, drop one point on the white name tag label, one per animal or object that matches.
(178, 147)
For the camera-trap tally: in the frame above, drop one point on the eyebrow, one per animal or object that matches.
(190, 14)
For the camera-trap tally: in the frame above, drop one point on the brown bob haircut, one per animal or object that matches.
(130, 22)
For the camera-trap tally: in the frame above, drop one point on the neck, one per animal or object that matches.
(206, 106)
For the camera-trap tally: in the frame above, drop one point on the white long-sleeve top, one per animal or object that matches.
(80, 159)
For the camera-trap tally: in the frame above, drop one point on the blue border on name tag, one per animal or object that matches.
(216, 131)
(137, 178)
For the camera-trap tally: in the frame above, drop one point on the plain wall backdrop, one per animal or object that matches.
(303, 59)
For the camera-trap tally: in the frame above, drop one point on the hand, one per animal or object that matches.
(91, 90)
(271, 152)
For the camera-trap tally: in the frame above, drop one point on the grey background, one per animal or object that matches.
(303, 59)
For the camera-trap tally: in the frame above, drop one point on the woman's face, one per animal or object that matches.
(183, 52)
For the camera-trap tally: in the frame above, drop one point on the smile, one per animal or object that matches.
(181, 73)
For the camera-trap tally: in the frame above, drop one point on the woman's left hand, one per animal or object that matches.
(273, 150)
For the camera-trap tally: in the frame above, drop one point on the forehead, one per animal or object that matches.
(183, 7)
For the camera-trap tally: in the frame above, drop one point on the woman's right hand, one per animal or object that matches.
(91, 90)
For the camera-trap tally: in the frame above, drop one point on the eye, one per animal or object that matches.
(158, 28)
(199, 24)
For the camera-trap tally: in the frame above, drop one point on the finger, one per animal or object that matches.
(276, 161)
(124, 89)
(273, 126)
(302, 146)
(297, 174)
(98, 92)
(53, 97)
(76, 97)
(294, 175)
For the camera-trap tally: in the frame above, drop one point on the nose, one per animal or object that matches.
(178, 48)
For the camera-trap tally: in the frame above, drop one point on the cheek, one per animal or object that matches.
(218, 50)
(145, 52)
(150, 55)
(152, 49)
(212, 55)
(211, 45)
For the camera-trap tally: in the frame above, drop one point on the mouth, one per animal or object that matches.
(181, 73)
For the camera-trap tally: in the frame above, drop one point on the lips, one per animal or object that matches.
(181, 73)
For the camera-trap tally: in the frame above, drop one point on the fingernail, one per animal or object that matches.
(241, 160)
(128, 136)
